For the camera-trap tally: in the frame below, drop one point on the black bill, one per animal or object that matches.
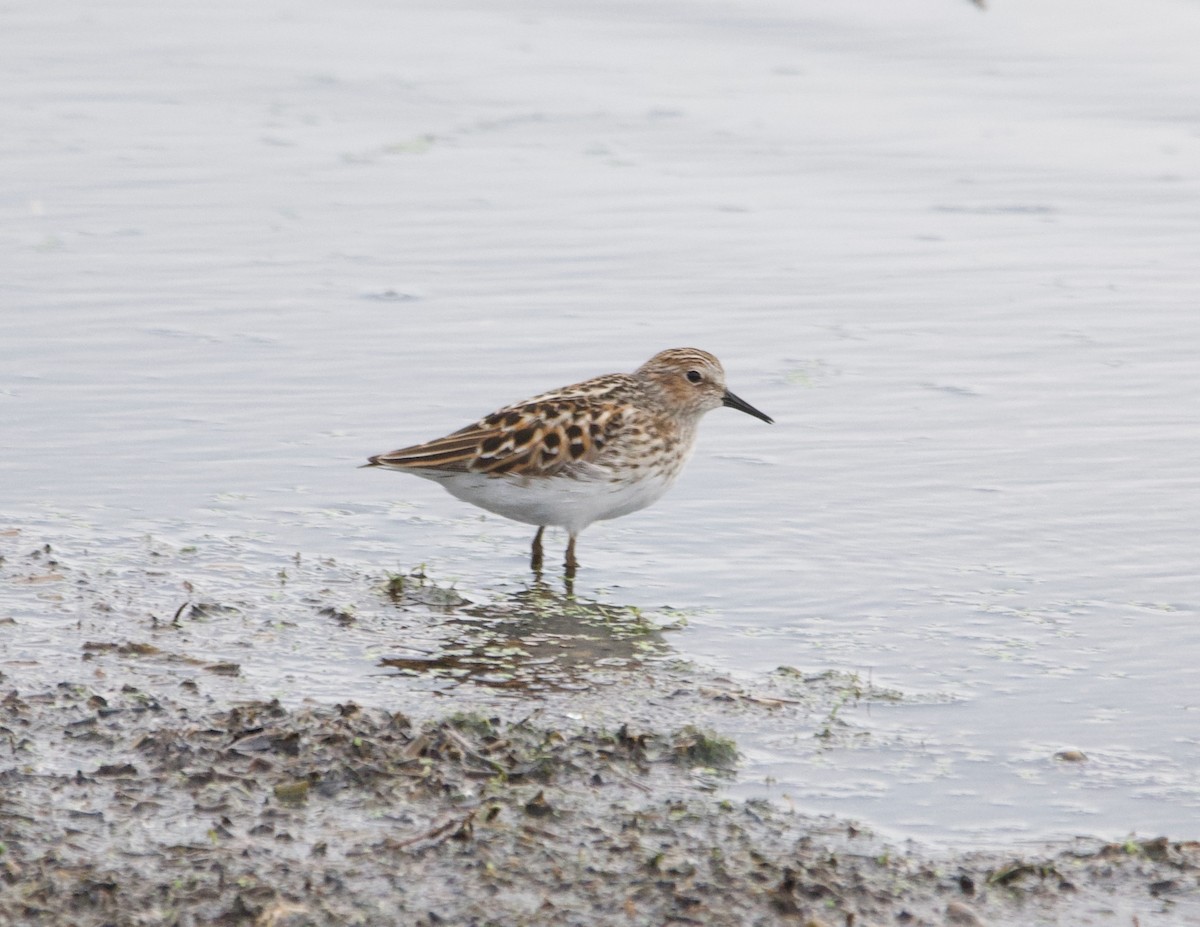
(742, 406)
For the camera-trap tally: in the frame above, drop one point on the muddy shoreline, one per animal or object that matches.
(145, 782)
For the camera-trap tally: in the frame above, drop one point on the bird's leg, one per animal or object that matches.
(571, 563)
(535, 559)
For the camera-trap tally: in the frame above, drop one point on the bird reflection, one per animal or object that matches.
(538, 639)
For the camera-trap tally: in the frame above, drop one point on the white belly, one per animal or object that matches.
(561, 501)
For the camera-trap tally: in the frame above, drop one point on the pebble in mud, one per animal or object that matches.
(961, 915)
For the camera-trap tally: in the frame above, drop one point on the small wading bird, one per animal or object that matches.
(599, 449)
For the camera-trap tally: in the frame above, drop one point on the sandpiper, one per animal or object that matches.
(596, 450)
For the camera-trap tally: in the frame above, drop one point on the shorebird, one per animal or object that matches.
(596, 450)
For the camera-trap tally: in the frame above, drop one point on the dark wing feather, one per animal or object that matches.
(542, 437)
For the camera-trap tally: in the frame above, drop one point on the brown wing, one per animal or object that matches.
(541, 437)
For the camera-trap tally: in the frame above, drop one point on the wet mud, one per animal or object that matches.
(538, 759)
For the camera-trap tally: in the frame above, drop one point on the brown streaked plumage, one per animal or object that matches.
(595, 450)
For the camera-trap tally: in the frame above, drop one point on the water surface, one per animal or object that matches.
(952, 253)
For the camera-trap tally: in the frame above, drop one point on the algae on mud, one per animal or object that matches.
(145, 781)
(256, 814)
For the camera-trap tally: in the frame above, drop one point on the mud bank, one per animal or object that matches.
(254, 814)
(543, 760)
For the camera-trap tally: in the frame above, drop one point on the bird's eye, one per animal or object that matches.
(694, 376)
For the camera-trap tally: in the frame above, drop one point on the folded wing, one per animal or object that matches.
(535, 438)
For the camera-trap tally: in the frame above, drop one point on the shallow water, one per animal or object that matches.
(952, 253)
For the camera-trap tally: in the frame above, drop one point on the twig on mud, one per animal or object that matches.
(460, 828)
(645, 789)
(462, 743)
(733, 695)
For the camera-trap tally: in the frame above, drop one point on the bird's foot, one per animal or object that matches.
(571, 563)
(536, 557)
